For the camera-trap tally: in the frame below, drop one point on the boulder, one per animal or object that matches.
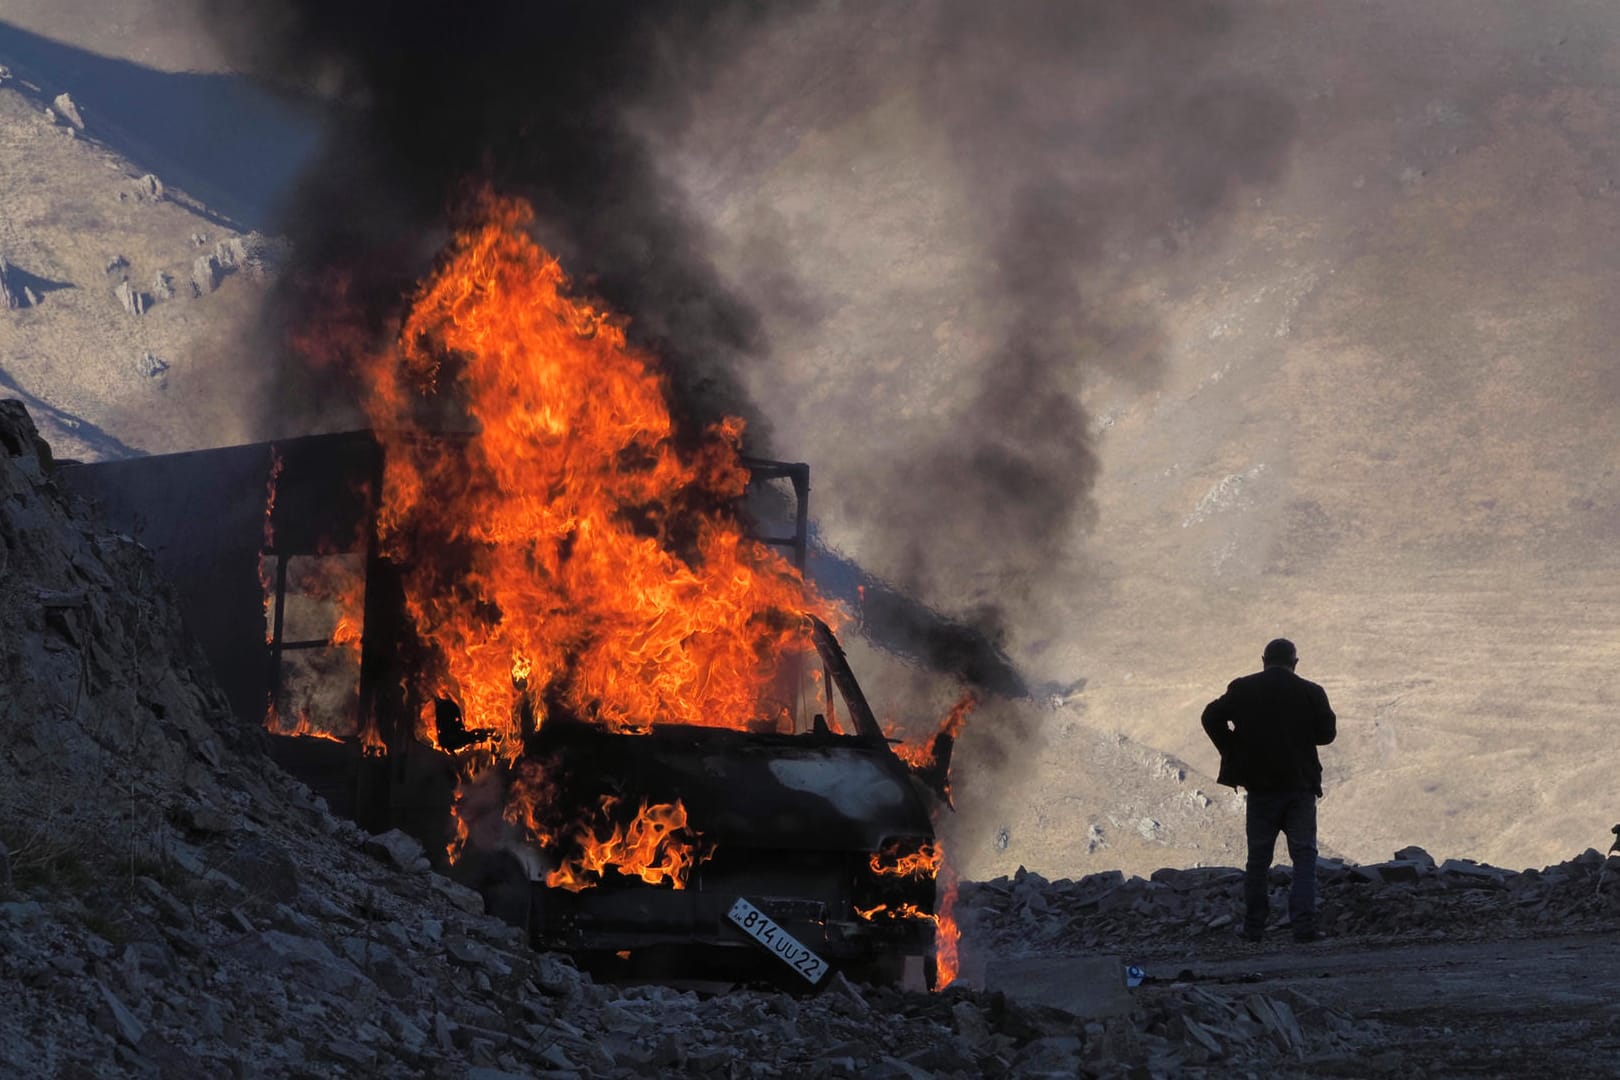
(1473, 873)
(1417, 855)
(65, 107)
(469, 953)
(12, 292)
(132, 301)
(462, 897)
(309, 960)
(120, 1021)
(205, 275)
(262, 868)
(395, 847)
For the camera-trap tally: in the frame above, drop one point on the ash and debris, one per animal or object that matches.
(172, 904)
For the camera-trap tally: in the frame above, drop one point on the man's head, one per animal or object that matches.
(1280, 653)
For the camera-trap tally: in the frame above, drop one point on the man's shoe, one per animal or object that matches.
(1253, 936)
(1308, 935)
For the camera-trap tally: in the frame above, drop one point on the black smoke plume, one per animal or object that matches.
(1089, 143)
(1087, 139)
(535, 98)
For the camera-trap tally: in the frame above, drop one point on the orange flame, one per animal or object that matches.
(946, 958)
(928, 861)
(345, 633)
(570, 553)
(915, 757)
(924, 862)
(303, 727)
(531, 795)
(656, 846)
(457, 842)
(371, 740)
(898, 911)
(926, 758)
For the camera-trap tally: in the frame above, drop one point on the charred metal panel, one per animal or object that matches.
(202, 514)
(797, 474)
(811, 897)
(744, 789)
(792, 822)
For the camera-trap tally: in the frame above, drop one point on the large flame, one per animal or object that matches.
(948, 933)
(562, 550)
(569, 555)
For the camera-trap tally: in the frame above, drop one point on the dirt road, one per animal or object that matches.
(1513, 1007)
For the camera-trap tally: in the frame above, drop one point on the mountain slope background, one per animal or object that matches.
(1351, 382)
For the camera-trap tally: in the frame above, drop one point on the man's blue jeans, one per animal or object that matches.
(1293, 813)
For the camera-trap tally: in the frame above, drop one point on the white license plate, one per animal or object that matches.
(784, 945)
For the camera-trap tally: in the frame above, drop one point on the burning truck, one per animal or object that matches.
(525, 620)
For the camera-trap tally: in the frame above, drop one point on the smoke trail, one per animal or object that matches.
(1114, 128)
(1086, 146)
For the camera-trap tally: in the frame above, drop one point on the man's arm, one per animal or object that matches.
(1325, 724)
(1217, 722)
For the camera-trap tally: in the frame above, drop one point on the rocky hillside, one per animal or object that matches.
(128, 306)
(172, 904)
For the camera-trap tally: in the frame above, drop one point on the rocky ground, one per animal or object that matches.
(1408, 898)
(171, 904)
(1424, 969)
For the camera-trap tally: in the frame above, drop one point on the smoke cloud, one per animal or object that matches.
(1082, 141)
(533, 98)
(976, 232)
(1084, 135)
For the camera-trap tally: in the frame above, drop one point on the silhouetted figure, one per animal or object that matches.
(1267, 727)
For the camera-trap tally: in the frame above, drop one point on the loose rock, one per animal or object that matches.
(65, 108)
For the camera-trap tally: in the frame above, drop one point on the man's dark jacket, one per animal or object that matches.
(1267, 727)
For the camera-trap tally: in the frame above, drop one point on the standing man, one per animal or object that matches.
(1267, 727)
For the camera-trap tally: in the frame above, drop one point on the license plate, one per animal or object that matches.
(784, 945)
